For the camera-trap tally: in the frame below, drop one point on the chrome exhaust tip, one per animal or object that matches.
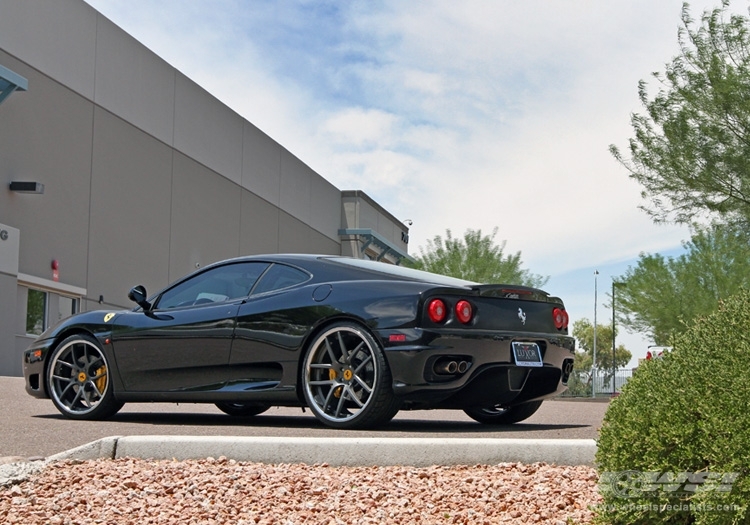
(445, 367)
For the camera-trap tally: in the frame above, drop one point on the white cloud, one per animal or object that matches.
(354, 128)
(457, 115)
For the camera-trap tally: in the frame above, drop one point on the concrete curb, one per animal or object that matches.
(417, 452)
(101, 448)
(19, 469)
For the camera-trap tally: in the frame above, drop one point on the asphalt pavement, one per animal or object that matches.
(561, 431)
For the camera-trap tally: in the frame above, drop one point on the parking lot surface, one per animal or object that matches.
(34, 428)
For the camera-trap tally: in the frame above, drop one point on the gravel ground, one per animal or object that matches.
(218, 491)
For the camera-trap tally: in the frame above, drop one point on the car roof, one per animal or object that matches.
(326, 267)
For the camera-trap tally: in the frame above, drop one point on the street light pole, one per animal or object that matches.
(614, 346)
(593, 362)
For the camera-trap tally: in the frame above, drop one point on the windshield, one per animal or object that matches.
(401, 271)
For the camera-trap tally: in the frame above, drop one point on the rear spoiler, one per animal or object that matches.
(510, 291)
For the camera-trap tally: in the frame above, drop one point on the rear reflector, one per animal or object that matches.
(397, 338)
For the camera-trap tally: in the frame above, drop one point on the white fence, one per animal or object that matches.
(580, 383)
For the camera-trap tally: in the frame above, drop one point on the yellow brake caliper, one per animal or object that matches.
(101, 383)
(332, 375)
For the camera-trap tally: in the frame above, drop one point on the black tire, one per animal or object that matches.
(346, 380)
(499, 415)
(79, 379)
(242, 409)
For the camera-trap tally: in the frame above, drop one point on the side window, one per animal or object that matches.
(280, 276)
(224, 283)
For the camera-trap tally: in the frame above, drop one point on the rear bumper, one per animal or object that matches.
(491, 378)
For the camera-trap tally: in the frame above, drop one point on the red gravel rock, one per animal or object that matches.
(219, 491)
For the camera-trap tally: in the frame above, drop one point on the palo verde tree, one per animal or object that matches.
(583, 331)
(662, 295)
(477, 258)
(691, 147)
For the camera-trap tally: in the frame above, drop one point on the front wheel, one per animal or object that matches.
(346, 380)
(242, 409)
(501, 415)
(79, 379)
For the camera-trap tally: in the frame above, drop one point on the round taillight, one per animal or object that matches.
(464, 311)
(560, 318)
(437, 311)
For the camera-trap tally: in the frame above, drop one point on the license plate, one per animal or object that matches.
(527, 354)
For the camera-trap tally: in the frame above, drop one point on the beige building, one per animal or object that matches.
(137, 175)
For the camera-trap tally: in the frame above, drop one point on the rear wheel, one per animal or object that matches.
(501, 415)
(79, 379)
(242, 409)
(346, 380)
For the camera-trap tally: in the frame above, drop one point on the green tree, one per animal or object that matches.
(583, 331)
(691, 149)
(581, 381)
(477, 258)
(662, 294)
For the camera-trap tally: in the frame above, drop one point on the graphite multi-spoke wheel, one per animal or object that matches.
(242, 409)
(500, 415)
(78, 379)
(346, 380)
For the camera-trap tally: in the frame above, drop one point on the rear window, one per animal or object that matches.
(278, 277)
(400, 271)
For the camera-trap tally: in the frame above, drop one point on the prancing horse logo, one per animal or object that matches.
(522, 316)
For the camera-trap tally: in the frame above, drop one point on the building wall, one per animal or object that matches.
(9, 247)
(360, 213)
(147, 176)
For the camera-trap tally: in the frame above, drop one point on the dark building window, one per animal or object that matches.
(36, 307)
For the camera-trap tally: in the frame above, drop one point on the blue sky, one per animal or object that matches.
(454, 115)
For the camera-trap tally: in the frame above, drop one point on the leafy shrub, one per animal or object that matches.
(578, 385)
(686, 415)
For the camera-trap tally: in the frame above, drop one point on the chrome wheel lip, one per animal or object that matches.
(321, 391)
(81, 371)
(494, 411)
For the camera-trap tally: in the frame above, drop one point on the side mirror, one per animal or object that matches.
(137, 294)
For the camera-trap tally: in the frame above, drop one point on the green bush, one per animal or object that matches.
(578, 386)
(686, 415)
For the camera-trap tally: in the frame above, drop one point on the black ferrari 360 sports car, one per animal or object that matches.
(354, 340)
